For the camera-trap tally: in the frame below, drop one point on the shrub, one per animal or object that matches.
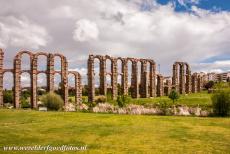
(100, 99)
(174, 96)
(8, 96)
(221, 102)
(52, 101)
(122, 100)
(25, 103)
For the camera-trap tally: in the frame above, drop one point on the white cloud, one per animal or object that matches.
(62, 12)
(85, 30)
(21, 33)
(185, 2)
(217, 66)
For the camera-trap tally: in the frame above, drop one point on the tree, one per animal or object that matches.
(174, 96)
(209, 85)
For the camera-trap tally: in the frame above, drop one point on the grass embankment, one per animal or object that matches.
(109, 133)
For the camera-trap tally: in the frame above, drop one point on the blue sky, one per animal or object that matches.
(214, 5)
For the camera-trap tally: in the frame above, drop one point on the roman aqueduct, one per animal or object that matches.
(33, 72)
(145, 81)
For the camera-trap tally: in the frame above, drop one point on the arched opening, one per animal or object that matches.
(129, 77)
(119, 76)
(57, 63)
(57, 84)
(41, 84)
(25, 61)
(108, 65)
(109, 87)
(25, 99)
(72, 89)
(97, 76)
(42, 63)
(8, 84)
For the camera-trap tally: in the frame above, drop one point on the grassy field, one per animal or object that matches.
(202, 99)
(109, 133)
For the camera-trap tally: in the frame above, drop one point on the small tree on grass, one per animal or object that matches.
(52, 101)
(122, 100)
(174, 96)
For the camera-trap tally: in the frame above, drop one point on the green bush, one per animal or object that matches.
(100, 99)
(52, 101)
(8, 96)
(221, 102)
(25, 103)
(123, 100)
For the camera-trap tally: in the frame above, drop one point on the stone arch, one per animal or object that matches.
(17, 75)
(78, 87)
(64, 75)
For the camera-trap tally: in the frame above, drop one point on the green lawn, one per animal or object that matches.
(202, 99)
(109, 133)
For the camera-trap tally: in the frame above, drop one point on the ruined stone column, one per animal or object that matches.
(17, 81)
(194, 82)
(50, 73)
(168, 87)
(182, 79)
(188, 79)
(160, 85)
(91, 80)
(34, 82)
(1, 77)
(134, 80)
(64, 78)
(175, 76)
(102, 74)
(114, 78)
(152, 77)
(124, 79)
(199, 83)
(78, 89)
(144, 80)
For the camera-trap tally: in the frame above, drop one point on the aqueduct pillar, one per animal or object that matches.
(91, 81)
(144, 80)
(102, 74)
(124, 79)
(1, 77)
(152, 77)
(134, 80)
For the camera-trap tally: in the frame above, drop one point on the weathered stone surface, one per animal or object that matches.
(146, 87)
(17, 71)
(178, 80)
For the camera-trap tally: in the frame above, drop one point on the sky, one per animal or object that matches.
(195, 31)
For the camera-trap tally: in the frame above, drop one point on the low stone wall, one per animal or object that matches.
(141, 110)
